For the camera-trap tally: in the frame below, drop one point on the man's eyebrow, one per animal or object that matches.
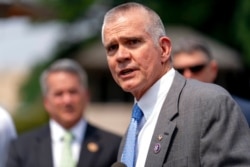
(131, 38)
(110, 44)
(113, 42)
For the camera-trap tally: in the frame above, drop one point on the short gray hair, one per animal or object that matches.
(189, 45)
(155, 27)
(67, 65)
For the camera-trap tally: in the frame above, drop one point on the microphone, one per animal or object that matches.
(118, 164)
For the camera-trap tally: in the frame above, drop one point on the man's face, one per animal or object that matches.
(195, 65)
(66, 98)
(134, 60)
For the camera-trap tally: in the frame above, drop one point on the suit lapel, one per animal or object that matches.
(165, 127)
(90, 148)
(44, 150)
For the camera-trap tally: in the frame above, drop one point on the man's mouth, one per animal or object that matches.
(126, 71)
(69, 108)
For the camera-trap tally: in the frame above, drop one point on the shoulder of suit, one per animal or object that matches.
(42, 130)
(100, 131)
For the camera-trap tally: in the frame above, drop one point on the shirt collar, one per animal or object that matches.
(159, 89)
(57, 131)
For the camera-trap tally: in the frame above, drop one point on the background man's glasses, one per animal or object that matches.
(193, 69)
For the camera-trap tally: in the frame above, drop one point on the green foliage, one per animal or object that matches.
(181, 12)
(31, 113)
(29, 116)
(242, 28)
(68, 10)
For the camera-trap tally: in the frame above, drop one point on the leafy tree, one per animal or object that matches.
(242, 28)
(66, 10)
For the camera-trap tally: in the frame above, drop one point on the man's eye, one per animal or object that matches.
(133, 42)
(112, 48)
(73, 91)
(57, 94)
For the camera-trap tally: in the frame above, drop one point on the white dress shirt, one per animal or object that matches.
(151, 104)
(57, 132)
(7, 133)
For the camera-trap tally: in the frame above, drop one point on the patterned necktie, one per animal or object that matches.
(67, 157)
(129, 152)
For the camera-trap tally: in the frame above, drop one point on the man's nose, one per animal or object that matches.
(123, 54)
(187, 73)
(67, 98)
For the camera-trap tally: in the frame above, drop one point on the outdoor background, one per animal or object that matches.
(34, 33)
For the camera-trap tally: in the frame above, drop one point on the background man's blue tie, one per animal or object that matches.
(129, 151)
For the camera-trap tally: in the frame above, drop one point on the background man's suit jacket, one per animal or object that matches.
(200, 125)
(33, 149)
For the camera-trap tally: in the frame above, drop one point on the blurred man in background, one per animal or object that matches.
(193, 59)
(68, 140)
(7, 133)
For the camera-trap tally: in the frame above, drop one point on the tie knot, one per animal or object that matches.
(68, 136)
(137, 113)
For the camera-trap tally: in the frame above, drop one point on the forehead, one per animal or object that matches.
(61, 75)
(189, 58)
(124, 24)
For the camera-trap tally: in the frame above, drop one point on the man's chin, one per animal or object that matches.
(127, 87)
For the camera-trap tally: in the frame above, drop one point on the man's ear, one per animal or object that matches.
(166, 47)
(214, 69)
(46, 104)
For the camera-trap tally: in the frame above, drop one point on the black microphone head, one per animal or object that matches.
(118, 164)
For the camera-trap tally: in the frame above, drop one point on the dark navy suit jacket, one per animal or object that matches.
(33, 149)
(245, 107)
